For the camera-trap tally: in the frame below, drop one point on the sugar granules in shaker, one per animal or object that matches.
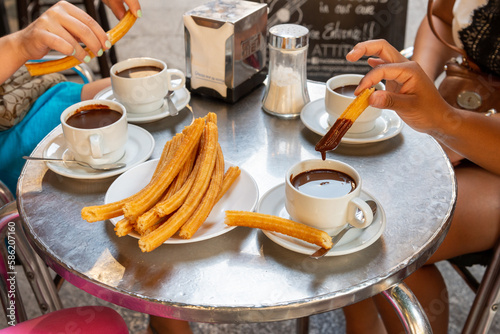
(286, 90)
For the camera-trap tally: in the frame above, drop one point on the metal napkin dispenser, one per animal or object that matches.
(225, 43)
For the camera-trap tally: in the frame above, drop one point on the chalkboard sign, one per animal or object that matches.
(335, 26)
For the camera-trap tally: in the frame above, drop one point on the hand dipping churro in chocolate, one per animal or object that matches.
(339, 98)
(339, 93)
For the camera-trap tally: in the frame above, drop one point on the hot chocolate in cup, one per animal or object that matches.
(340, 93)
(325, 194)
(141, 84)
(95, 131)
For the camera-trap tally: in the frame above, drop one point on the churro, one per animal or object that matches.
(51, 66)
(116, 209)
(280, 225)
(154, 190)
(173, 198)
(210, 198)
(332, 138)
(168, 152)
(124, 227)
(230, 176)
(176, 199)
(169, 205)
(154, 239)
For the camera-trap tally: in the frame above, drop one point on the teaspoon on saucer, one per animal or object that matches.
(102, 167)
(335, 239)
(172, 109)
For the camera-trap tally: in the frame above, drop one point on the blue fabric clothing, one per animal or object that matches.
(42, 118)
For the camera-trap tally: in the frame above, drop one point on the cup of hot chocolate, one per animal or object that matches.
(95, 131)
(141, 84)
(340, 93)
(325, 194)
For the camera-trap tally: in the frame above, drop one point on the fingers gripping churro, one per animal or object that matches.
(114, 34)
(280, 225)
(332, 138)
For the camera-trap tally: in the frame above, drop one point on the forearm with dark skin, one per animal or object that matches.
(466, 131)
(429, 52)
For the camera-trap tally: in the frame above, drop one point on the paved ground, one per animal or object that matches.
(155, 36)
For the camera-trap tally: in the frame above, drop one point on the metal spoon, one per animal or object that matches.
(172, 109)
(103, 167)
(335, 239)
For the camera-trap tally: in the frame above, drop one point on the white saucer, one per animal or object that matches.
(139, 147)
(315, 118)
(273, 203)
(243, 195)
(180, 98)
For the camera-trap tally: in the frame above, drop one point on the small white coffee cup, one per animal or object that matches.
(105, 141)
(336, 103)
(145, 89)
(329, 214)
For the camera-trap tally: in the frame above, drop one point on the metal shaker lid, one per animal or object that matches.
(288, 36)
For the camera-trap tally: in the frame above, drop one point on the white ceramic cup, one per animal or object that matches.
(336, 103)
(104, 144)
(328, 214)
(143, 94)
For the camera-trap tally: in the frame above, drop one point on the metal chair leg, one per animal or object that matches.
(17, 246)
(37, 273)
(487, 298)
(5, 195)
(4, 20)
(9, 291)
(302, 325)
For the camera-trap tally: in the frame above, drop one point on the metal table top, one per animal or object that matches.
(242, 276)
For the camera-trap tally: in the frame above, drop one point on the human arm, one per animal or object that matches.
(429, 52)
(413, 95)
(62, 27)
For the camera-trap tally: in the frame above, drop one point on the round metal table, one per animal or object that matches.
(242, 276)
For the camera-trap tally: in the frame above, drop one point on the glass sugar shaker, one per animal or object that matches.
(286, 89)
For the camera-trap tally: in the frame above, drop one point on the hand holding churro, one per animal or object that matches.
(114, 34)
(332, 138)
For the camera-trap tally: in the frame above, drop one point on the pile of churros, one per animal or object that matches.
(186, 184)
(52, 66)
(332, 138)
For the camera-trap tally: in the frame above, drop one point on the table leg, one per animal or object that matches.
(408, 309)
(302, 326)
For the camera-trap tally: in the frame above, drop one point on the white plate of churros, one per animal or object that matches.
(273, 203)
(243, 195)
